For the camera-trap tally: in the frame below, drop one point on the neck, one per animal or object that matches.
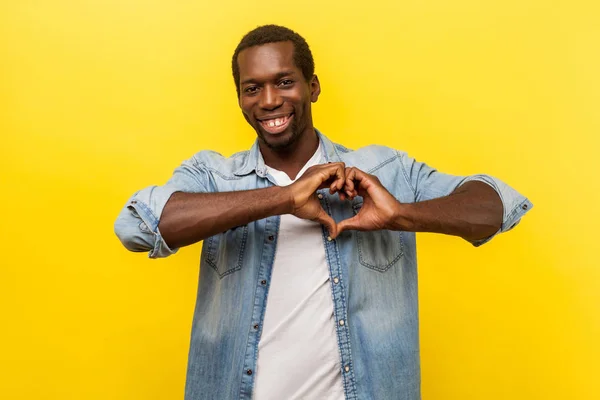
(292, 159)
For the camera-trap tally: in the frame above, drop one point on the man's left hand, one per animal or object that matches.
(380, 209)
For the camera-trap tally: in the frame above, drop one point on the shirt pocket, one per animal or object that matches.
(225, 251)
(378, 250)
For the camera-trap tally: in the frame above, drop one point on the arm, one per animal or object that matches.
(191, 217)
(162, 219)
(473, 210)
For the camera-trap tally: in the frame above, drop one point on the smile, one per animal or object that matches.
(276, 125)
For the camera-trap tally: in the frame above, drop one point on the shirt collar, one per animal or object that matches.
(254, 161)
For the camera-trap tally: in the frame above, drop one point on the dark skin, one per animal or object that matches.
(272, 86)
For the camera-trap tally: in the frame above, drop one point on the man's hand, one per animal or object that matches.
(380, 209)
(303, 193)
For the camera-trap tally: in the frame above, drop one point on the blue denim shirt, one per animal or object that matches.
(373, 274)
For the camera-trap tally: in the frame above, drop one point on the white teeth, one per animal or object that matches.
(276, 122)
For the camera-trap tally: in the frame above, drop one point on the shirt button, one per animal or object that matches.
(133, 202)
(336, 280)
(263, 282)
(524, 207)
(342, 322)
(249, 372)
(329, 239)
(271, 238)
(320, 196)
(255, 326)
(346, 368)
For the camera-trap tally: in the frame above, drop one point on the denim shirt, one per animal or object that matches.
(373, 275)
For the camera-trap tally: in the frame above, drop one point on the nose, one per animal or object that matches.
(270, 99)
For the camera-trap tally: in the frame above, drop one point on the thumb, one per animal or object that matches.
(347, 224)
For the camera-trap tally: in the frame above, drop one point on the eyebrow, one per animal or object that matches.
(278, 76)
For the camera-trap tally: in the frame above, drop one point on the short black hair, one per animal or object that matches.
(271, 34)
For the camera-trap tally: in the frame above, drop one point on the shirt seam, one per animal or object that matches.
(405, 174)
(202, 164)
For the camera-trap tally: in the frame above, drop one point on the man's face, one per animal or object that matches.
(274, 95)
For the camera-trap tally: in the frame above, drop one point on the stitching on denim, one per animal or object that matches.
(389, 160)
(197, 164)
(337, 331)
(147, 210)
(211, 258)
(153, 227)
(517, 209)
(202, 164)
(344, 308)
(406, 177)
(246, 155)
(209, 246)
(264, 303)
(379, 268)
(242, 246)
(222, 175)
(337, 147)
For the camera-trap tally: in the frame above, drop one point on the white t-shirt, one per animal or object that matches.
(298, 356)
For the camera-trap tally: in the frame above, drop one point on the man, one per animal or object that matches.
(308, 280)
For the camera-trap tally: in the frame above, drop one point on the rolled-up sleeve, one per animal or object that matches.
(427, 183)
(137, 223)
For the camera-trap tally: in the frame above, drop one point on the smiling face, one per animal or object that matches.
(275, 97)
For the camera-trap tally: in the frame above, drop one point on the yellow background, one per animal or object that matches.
(101, 98)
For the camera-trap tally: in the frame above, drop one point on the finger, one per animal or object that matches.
(363, 182)
(340, 175)
(347, 195)
(334, 187)
(362, 179)
(329, 223)
(332, 176)
(352, 183)
(349, 183)
(327, 183)
(347, 224)
(342, 181)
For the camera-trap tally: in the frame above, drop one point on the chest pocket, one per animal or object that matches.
(378, 250)
(225, 251)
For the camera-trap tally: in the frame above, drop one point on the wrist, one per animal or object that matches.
(285, 200)
(403, 219)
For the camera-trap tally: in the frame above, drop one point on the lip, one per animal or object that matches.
(274, 116)
(275, 130)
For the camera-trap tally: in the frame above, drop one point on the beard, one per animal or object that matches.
(284, 140)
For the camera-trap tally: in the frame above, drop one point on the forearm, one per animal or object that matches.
(190, 217)
(473, 211)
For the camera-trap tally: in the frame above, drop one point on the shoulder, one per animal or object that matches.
(370, 158)
(216, 162)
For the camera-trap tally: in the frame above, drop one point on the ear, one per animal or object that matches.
(315, 89)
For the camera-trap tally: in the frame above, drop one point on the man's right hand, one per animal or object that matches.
(303, 193)
(190, 217)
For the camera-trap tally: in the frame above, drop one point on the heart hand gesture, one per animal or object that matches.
(380, 209)
(305, 203)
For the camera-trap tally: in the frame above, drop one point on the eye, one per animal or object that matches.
(251, 89)
(286, 82)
